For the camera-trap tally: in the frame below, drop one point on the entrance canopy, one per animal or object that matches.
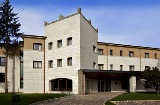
(109, 74)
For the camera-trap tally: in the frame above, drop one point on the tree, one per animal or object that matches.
(152, 78)
(9, 32)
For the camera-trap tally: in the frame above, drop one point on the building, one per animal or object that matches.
(69, 58)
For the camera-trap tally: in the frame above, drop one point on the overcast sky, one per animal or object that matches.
(133, 22)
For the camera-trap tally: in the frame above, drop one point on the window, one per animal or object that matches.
(121, 54)
(111, 67)
(37, 64)
(146, 55)
(111, 52)
(131, 54)
(131, 68)
(2, 61)
(94, 49)
(147, 67)
(50, 45)
(50, 64)
(121, 67)
(59, 43)
(155, 55)
(2, 77)
(69, 41)
(37, 46)
(100, 66)
(69, 61)
(94, 65)
(59, 62)
(100, 51)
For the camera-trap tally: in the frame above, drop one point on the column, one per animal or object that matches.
(132, 84)
(81, 82)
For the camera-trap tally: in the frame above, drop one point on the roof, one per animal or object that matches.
(129, 46)
(33, 36)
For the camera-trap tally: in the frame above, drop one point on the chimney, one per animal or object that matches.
(89, 21)
(60, 17)
(79, 10)
(45, 23)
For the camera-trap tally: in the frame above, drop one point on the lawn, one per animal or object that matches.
(26, 99)
(135, 96)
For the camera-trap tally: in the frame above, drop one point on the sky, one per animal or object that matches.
(131, 22)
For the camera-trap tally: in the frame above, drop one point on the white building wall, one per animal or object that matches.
(10, 71)
(33, 78)
(102, 59)
(61, 30)
(88, 39)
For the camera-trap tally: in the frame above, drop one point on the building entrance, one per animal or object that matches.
(104, 86)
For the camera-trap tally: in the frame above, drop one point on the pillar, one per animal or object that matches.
(81, 82)
(132, 84)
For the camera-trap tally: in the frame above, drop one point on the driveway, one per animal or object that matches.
(89, 99)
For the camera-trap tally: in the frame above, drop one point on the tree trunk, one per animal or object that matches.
(157, 90)
(6, 73)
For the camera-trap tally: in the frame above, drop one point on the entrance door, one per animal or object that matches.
(104, 86)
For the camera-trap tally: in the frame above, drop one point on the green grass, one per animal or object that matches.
(135, 96)
(26, 99)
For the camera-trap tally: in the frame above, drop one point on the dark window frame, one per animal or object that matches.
(131, 53)
(111, 52)
(2, 63)
(68, 61)
(38, 44)
(34, 66)
(68, 41)
(58, 63)
(50, 45)
(100, 50)
(59, 43)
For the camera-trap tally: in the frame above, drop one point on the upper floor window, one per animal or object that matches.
(100, 66)
(50, 45)
(94, 49)
(131, 68)
(37, 64)
(59, 62)
(69, 61)
(121, 67)
(155, 55)
(111, 52)
(100, 51)
(94, 65)
(50, 64)
(2, 61)
(111, 67)
(146, 55)
(69, 41)
(121, 53)
(2, 77)
(59, 43)
(131, 54)
(37, 46)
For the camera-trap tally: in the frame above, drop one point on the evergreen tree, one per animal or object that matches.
(9, 33)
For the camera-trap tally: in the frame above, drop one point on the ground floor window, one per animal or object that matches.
(125, 83)
(2, 77)
(61, 84)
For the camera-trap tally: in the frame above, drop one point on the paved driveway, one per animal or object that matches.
(90, 99)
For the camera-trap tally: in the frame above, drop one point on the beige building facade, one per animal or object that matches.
(69, 58)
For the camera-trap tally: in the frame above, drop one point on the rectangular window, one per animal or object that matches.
(59, 62)
(155, 55)
(121, 53)
(37, 64)
(121, 67)
(131, 68)
(131, 54)
(2, 77)
(2, 61)
(69, 61)
(50, 64)
(59, 43)
(94, 65)
(69, 41)
(50, 45)
(100, 66)
(94, 49)
(100, 51)
(37, 46)
(146, 55)
(111, 52)
(111, 67)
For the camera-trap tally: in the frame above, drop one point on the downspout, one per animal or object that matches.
(44, 66)
(107, 56)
